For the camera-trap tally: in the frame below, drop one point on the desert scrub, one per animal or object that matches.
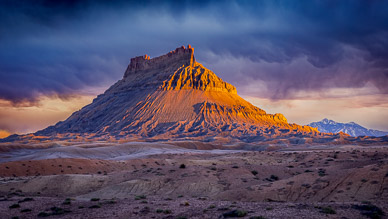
(145, 210)
(327, 210)
(254, 172)
(43, 214)
(94, 199)
(370, 210)
(273, 178)
(14, 206)
(211, 207)
(235, 213)
(67, 201)
(322, 172)
(159, 211)
(25, 210)
(139, 197)
(58, 211)
(182, 166)
(111, 201)
(95, 206)
(54, 211)
(167, 211)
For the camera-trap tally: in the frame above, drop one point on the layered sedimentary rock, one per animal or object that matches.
(174, 97)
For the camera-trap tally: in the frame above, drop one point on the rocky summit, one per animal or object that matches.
(173, 97)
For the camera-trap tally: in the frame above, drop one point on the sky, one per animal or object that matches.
(307, 59)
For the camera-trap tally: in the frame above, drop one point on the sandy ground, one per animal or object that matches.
(176, 182)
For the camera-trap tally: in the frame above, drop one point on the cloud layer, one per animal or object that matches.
(277, 49)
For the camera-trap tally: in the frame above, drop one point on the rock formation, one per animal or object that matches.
(173, 97)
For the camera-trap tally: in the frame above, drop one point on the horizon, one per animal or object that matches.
(305, 60)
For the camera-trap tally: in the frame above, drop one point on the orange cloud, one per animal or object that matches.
(25, 118)
(4, 134)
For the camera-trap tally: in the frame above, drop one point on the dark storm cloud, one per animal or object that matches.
(65, 47)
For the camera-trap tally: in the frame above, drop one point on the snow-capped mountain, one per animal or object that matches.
(350, 128)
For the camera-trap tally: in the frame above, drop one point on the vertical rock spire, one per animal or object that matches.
(192, 59)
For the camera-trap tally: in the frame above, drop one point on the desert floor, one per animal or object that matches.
(154, 180)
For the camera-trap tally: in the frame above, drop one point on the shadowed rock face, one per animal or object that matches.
(173, 97)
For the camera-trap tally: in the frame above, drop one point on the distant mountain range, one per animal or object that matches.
(350, 128)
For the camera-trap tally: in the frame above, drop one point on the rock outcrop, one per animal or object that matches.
(174, 97)
(179, 56)
(196, 77)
